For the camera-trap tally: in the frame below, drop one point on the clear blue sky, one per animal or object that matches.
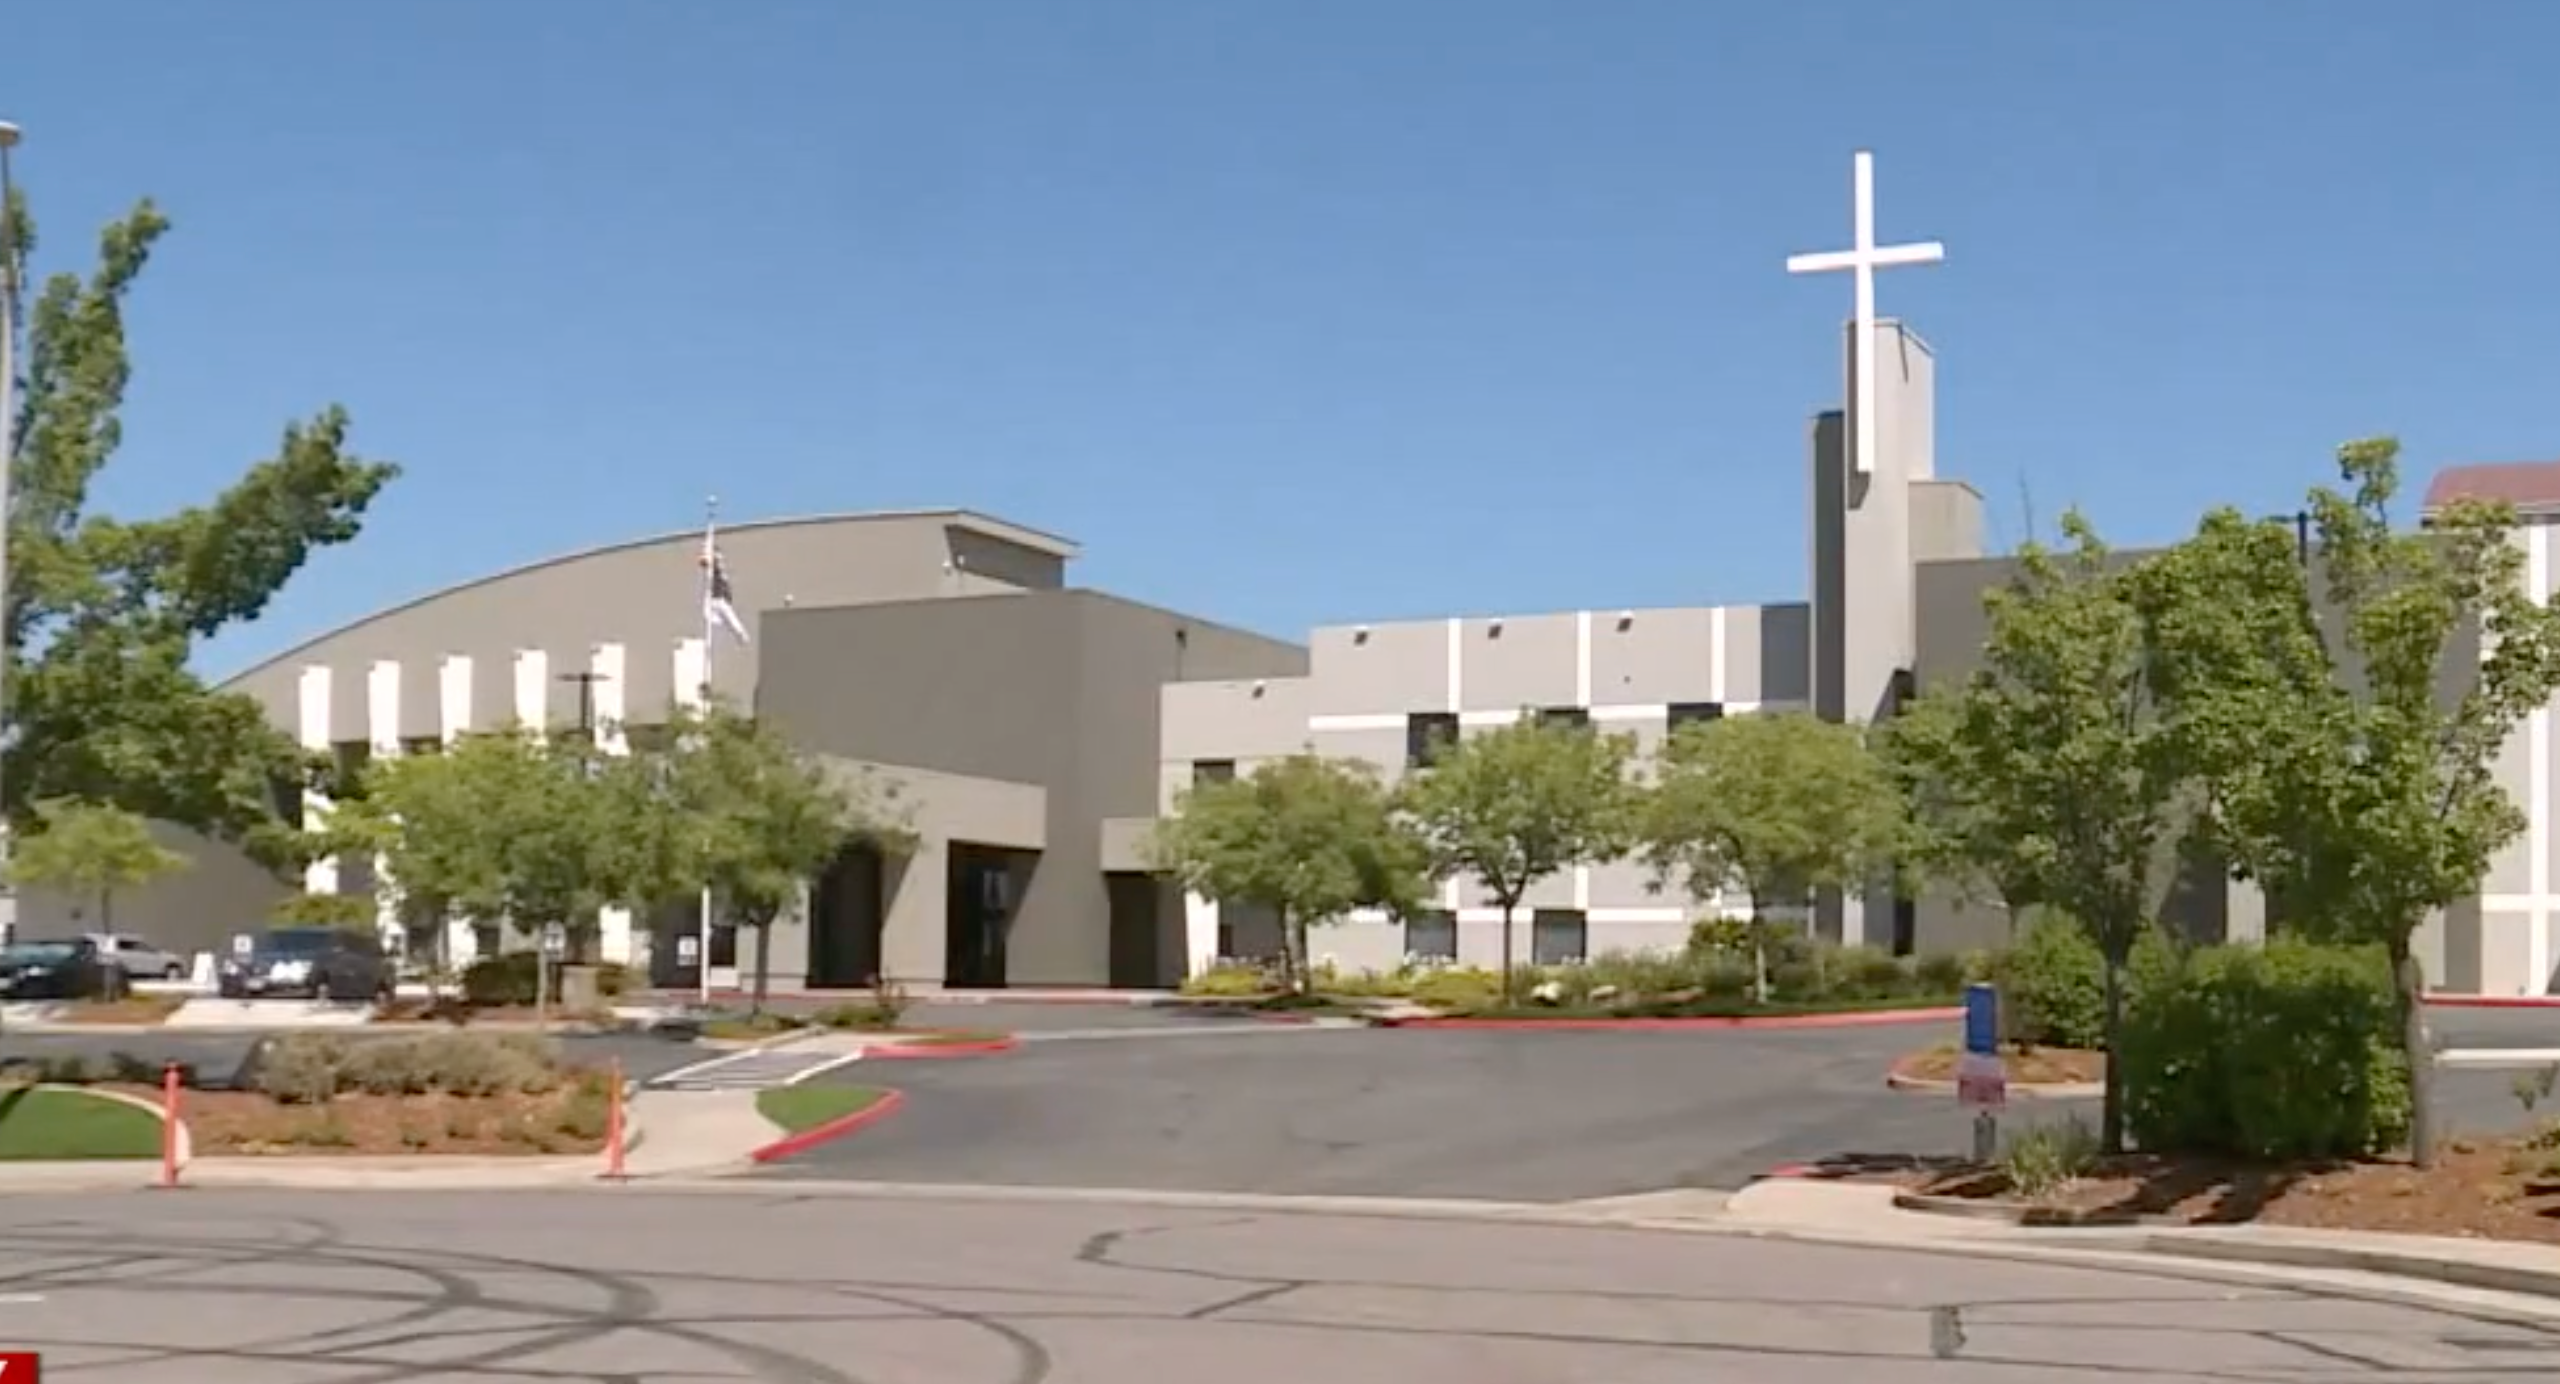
(1292, 311)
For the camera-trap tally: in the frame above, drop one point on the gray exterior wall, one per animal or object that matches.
(641, 599)
(1625, 668)
(1055, 692)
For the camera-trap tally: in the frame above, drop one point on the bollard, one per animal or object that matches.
(169, 1126)
(613, 1139)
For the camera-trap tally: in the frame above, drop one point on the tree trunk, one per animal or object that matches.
(1759, 952)
(106, 910)
(1288, 953)
(2410, 981)
(1508, 989)
(2111, 1105)
(1297, 928)
(764, 963)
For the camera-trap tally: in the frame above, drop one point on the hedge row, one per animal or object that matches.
(509, 979)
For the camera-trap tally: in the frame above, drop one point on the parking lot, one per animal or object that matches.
(1445, 1113)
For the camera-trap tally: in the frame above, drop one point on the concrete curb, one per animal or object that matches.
(843, 1125)
(2393, 1262)
(2012, 1213)
(915, 1052)
(2044, 1090)
(1864, 1018)
(2494, 1001)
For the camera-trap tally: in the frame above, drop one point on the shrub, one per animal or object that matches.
(391, 1067)
(1229, 980)
(478, 1064)
(510, 979)
(860, 1015)
(2053, 985)
(1635, 974)
(2041, 1158)
(1945, 973)
(300, 1069)
(1458, 987)
(2285, 1051)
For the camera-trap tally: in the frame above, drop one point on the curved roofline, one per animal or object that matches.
(1039, 540)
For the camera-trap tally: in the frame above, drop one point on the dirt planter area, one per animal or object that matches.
(2496, 1189)
(442, 1093)
(2029, 1069)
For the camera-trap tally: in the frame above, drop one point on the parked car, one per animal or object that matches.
(318, 963)
(65, 969)
(139, 958)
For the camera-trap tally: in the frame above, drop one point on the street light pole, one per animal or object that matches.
(8, 465)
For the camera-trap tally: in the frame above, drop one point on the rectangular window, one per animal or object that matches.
(1573, 717)
(422, 744)
(1212, 771)
(1425, 732)
(1682, 713)
(1558, 936)
(1431, 935)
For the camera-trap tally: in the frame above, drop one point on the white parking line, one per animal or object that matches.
(827, 1066)
(712, 1064)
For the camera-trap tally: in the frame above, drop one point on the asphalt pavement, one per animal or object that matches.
(513, 1288)
(1508, 1115)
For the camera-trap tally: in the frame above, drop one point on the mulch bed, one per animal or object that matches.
(2026, 1066)
(225, 1123)
(140, 1009)
(452, 1012)
(2495, 1189)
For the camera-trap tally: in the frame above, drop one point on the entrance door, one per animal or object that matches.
(845, 917)
(978, 907)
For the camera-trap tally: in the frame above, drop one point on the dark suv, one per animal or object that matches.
(318, 963)
(68, 969)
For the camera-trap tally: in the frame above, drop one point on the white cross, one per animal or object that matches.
(1863, 259)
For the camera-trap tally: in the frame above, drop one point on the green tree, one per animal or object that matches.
(2354, 769)
(508, 824)
(1773, 806)
(731, 804)
(2060, 760)
(348, 912)
(1955, 837)
(1520, 802)
(91, 850)
(1307, 837)
(103, 612)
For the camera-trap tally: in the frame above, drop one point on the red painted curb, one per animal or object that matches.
(1864, 1019)
(834, 1129)
(914, 1052)
(1790, 1170)
(2494, 1001)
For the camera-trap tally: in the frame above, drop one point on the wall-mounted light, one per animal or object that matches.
(1493, 629)
(1360, 634)
(1259, 689)
(1626, 621)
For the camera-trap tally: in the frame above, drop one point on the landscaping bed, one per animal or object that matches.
(799, 1108)
(2499, 1189)
(132, 1009)
(444, 1093)
(2026, 1066)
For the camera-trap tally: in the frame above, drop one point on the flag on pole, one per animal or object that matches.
(719, 609)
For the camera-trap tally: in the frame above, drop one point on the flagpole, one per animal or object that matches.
(711, 550)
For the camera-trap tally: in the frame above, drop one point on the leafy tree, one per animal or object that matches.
(508, 824)
(92, 850)
(347, 912)
(733, 805)
(102, 612)
(1517, 803)
(1306, 837)
(1774, 806)
(2057, 747)
(1955, 836)
(2350, 781)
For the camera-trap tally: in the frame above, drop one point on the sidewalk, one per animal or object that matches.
(695, 1134)
(1865, 1212)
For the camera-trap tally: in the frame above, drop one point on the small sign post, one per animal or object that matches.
(555, 944)
(1982, 1083)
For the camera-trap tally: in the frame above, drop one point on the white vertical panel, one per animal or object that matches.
(1200, 931)
(533, 689)
(613, 925)
(321, 876)
(689, 666)
(382, 733)
(453, 696)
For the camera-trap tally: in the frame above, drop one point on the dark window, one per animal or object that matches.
(1557, 936)
(422, 745)
(1425, 732)
(1572, 716)
(1226, 937)
(1682, 713)
(1212, 771)
(1432, 935)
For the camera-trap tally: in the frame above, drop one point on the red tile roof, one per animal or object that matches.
(2528, 485)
